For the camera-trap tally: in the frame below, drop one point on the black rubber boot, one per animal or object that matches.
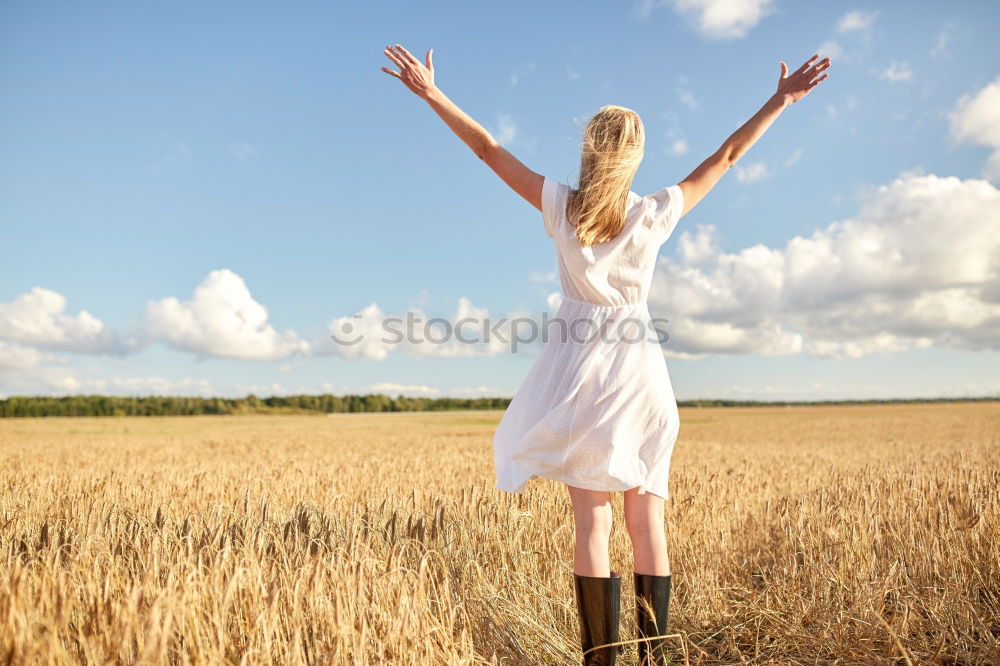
(656, 591)
(598, 602)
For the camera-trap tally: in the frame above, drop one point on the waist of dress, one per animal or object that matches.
(600, 306)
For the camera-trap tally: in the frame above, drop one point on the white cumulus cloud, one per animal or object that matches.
(698, 247)
(714, 19)
(752, 172)
(897, 71)
(28, 371)
(508, 129)
(392, 388)
(919, 265)
(976, 120)
(37, 318)
(18, 358)
(677, 144)
(685, 95)
(831, 49)
(553, 301)
(515, 76)
(677, 147)
(944, 38)
(857, 20)
(220, 319)
(794, 157)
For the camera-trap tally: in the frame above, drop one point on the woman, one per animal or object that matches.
(597, 410)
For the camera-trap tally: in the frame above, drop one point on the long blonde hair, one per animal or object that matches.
(613, 146)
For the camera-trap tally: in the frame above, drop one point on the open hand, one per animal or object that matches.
(416, 76)
(797, 85)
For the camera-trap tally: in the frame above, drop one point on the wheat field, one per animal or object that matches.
(862, 534)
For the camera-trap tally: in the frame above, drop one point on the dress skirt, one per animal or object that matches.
(597, 408)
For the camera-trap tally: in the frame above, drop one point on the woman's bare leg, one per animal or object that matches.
(644, 520)
(593, 518)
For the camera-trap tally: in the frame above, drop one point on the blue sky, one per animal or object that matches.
(194, 195)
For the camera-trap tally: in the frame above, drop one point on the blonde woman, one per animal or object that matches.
(597, 410)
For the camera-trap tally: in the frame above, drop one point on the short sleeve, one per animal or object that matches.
(550, 210)
(664, 208)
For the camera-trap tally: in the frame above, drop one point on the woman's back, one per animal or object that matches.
(619, 271)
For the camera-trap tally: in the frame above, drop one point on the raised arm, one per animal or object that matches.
(419, 78)
(791, 89)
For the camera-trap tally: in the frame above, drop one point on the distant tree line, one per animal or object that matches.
(155, 405)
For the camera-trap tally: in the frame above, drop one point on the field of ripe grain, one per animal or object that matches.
(798, 535)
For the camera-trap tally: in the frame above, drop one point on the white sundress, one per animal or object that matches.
(597, 408)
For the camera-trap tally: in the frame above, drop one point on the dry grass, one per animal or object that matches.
(807, 535)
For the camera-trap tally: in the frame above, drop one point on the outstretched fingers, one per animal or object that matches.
(806, 65)
(817, 81)
(396, 58)
(407, 55)
(804, 77)
(820, 67)
(811, 74)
